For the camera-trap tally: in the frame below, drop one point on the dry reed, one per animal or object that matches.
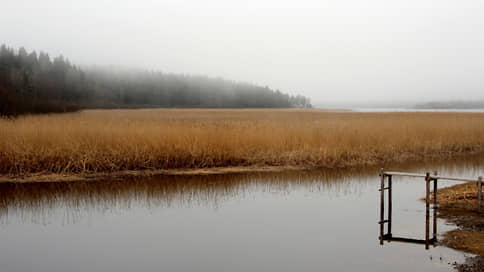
(458, 204)
(114, 140)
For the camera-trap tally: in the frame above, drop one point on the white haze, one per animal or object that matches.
(336, 52)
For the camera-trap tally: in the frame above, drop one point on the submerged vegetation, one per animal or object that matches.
(31, 83)
(95, 141)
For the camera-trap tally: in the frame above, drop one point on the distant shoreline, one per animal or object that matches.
(415, 110)
(471, 105)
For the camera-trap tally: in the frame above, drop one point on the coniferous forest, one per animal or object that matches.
(35, 83)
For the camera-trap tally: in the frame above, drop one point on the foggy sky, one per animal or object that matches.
(335, 52)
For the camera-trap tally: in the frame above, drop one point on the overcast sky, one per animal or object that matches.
(339, 51)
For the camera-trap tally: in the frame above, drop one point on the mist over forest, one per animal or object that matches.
(35, 83)
(457, 104)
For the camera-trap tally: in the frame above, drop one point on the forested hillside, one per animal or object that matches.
(35, 83)
(477, 104)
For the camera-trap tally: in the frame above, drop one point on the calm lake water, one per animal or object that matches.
(296, 221)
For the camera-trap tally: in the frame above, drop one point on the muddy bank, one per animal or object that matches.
(471, 265)
(458, 204)
(68, 177)
(373, 168)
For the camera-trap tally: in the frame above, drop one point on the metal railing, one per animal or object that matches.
(428, 178)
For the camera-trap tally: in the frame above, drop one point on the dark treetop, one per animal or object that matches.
(31, 83)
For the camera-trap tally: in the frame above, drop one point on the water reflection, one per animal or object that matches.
(38, 201)
(389, 237)
(288, 221)
(386, 185)
(470, 166)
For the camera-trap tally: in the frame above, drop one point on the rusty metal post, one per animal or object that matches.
(389, 230)
(479, 194)
(434, 230)
(435, 190)
(427, 206)
(382, 204)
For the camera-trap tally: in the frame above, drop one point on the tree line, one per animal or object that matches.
(35, 83)
(478, 104)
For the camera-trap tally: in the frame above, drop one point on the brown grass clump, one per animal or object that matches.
(467, 240)
(97, 141)
(460, 196)
(458, 204)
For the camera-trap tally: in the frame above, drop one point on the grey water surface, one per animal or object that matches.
(323, 220)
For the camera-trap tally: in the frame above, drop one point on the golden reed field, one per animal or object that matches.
(98, 141)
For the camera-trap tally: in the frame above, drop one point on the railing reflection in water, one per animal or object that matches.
(388, 236)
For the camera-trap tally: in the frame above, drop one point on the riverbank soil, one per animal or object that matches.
(67, 177)
(458, 204)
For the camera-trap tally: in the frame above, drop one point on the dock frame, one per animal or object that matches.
(428, 180)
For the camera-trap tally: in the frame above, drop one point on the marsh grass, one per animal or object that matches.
(458, 204)
(114, 140)
(471, 241)
(459, 196)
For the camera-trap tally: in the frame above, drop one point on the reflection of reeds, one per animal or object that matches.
(36, 201)
(106, 141)
(40, 202)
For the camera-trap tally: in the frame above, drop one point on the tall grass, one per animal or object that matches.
(114, 140)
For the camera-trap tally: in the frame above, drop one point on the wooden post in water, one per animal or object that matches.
(427, 206)
(382, 204)
(479, 194)
(435, 190)
(390, 205)
(434, 230)
(428, 179)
